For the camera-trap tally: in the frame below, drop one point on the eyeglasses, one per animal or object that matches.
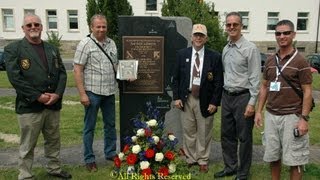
(235, 25)
(34, 24)
(285, 33)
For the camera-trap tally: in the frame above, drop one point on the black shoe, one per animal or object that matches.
(237, 178)
(224, 173)
(62, 174)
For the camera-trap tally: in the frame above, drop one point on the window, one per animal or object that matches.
(29, 11)
(8, 20)
(273, 18)
(245, 19)
(151, 5)
(271, 49)
(73, 19)
(301, 49)
(302, 22)
(52, 19)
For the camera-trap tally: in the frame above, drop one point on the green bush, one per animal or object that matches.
(54, 39)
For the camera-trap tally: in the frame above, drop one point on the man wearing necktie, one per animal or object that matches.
(197, 89)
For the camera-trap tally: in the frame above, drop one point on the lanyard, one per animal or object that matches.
(284, 66)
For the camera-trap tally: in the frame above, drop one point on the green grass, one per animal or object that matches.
(4, 82)
(105, 171)
(71, 134)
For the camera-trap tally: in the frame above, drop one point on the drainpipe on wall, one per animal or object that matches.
(316, 50)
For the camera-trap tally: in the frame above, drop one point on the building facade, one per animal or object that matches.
(68, 18)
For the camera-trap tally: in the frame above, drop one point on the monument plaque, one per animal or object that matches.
(148, 50)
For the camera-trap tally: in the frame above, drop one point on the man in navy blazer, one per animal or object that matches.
(197, 89)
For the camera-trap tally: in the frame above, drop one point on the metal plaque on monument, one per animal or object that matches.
(153, 41)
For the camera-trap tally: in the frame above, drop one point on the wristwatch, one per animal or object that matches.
(305, 117)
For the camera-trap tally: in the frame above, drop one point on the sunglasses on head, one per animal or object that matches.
(232, 24)
(286, 33)
(34, 24)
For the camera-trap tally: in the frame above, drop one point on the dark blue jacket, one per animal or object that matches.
(211, 79)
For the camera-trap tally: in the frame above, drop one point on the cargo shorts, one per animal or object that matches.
(280, 142)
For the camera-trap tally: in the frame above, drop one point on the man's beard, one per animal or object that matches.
(34, 34)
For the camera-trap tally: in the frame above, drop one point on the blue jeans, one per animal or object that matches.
(107, 105)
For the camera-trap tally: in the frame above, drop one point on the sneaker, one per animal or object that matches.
(92, 167)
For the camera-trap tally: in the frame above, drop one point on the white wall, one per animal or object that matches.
(40, 7)
(258, 12)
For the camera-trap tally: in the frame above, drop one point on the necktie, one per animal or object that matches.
(195, 88)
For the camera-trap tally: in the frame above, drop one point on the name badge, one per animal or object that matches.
(196, 81)
(275, 86)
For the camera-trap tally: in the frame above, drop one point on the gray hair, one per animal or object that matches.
(30, 15)
(97, 16)
(234, 14)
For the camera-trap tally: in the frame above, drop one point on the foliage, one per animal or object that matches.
(149, 153)
(54, 39)
(111, 9)
(203, 13)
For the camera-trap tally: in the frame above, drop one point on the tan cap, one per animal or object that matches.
(199, 28)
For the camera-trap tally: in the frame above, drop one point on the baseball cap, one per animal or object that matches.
(199, 28)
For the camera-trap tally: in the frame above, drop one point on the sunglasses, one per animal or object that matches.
(34, 24)
(232, 24)
(285, 33)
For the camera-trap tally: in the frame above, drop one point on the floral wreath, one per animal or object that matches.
(149, 153)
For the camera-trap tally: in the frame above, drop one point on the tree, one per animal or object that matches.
(111, 9)
(54, 39)
(201, 13)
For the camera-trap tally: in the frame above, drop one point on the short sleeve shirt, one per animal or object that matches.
(98, 72)
(298, 72)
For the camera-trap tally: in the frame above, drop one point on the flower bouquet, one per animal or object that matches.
(149, 153)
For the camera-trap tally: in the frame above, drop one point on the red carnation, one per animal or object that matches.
(146, 173)
(160, 145)
(131, 159)
(117, 162)
(169, 155)
(126, 148)
(149, 153)
(147, 132)
(163, 172)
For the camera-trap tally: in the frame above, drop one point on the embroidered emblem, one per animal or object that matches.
(210, 76)
(25, 64)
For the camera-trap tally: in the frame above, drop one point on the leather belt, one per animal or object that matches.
(236, 93)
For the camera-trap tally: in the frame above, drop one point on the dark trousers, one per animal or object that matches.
(236, 129)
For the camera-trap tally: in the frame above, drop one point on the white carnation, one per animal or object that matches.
(156, 139)
(130, 170)
(152, 123)
(121, 156)
(144, 165)
(171, 137)
(134, 138)
(172, 168)
(140, 132)
(159, 157)
(136, 149)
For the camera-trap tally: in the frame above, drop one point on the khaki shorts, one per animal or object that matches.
(280, 142)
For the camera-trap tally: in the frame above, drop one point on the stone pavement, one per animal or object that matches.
(74, 155)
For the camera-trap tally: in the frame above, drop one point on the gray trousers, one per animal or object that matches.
(236, 129)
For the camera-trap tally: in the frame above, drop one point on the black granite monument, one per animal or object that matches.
(153, 41)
